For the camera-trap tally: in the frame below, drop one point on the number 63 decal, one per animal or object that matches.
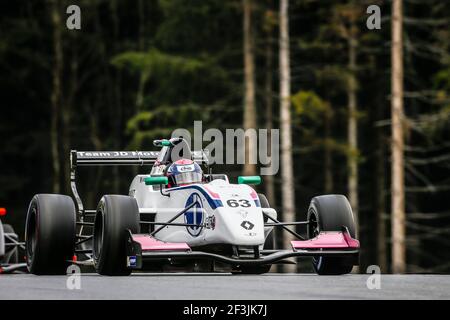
(233, 203)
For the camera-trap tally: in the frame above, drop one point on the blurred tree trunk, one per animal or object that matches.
(380, 192)
(68, 106)
(268, 96)
(56, 96)
(249, 100)
(397, 143)
(287, 173)
(380, 209)
(328, 158)
(352, 130)
(140, 94)
(144, 74)
(96, 179)
(117, 119)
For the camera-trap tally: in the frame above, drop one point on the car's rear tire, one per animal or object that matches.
(331, 213)
(268, 244)
(115, 215)
(12, 253)
(50, 234)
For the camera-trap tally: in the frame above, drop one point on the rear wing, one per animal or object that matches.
(112, 158)
(118, 158)
(124, 158)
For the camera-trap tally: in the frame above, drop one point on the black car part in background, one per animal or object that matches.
(9, 248)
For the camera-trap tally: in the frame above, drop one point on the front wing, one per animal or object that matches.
(141, 247)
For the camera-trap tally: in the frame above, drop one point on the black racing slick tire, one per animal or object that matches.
(331, 213)
(116, 215)
(50, 234)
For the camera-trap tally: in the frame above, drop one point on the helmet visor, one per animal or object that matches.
(188, 177)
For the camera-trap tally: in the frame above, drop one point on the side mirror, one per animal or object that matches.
(2, 212)
(249, 179)
(159, 180)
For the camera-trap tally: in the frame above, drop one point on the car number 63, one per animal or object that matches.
(234, 203)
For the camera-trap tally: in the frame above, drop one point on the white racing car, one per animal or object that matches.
(181, 217)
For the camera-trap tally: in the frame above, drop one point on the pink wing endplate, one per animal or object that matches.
(328, 240)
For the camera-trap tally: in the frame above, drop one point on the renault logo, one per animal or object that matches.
(247, 225)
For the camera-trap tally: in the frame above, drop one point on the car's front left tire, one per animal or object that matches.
(331, 213)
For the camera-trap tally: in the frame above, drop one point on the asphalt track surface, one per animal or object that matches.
(174, 286)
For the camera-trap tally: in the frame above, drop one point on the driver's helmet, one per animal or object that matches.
(184, 171)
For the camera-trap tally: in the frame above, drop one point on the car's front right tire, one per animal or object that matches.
(116, 215)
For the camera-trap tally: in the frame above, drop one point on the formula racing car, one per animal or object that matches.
(181, 216)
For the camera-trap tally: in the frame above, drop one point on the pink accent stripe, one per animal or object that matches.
(149, 243)
(212, 193)
(328, 240)
(254, 195)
